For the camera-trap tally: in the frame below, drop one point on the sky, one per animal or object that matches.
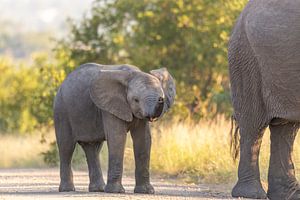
(41, 15)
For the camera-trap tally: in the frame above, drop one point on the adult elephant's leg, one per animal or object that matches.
(249, 185)
(142, 145)
(115, 131)
(282, 181)
(95, 174)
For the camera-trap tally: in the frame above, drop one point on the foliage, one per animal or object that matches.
(27, 93)
(17, 86)
(51, 156)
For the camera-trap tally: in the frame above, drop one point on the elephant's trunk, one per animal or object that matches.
(154, 106)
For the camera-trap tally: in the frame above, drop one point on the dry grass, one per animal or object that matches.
(194, 152)
(201, 152)
(21, 151)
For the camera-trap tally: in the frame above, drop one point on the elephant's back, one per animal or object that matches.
(75, 87)
(78, 82)
(273, 30)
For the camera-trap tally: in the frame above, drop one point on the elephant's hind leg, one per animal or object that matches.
(95, 173)
(249, 185)
(281, 178)
(66, 147)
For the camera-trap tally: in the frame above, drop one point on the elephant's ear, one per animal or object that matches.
(168, 85)
(108, 90)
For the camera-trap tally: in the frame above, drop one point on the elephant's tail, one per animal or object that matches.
(234, 138)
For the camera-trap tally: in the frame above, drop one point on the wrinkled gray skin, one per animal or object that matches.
(264, 58)
(97, 103)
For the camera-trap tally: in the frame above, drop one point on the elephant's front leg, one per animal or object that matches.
(249, 185)
(115, 130)
(142, 144)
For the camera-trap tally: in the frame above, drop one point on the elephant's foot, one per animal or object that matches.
(66, 187)
(146, 188)
(96, 187)
(249, 189)
(114, 188)
(281, 189)
(295, 195)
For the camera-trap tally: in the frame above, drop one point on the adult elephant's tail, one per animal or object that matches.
(234, 139)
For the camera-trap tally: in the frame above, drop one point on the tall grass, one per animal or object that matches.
(201, 152)
(21, 151)
(196, 153)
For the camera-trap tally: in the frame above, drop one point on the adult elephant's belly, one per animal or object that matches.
(281, 93)
(273, 31)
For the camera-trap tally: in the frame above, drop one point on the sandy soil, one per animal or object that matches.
(43, 184)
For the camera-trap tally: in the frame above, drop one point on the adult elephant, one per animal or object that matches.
(100, 102)
(264, 64)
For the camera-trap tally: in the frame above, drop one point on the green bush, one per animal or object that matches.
(51, 156)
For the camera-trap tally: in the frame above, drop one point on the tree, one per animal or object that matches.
(27, 93)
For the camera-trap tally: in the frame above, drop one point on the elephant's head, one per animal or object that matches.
(128, 93)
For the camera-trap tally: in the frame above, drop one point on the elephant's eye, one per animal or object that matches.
(136, 100)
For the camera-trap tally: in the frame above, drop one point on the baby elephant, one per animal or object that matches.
(102, 102)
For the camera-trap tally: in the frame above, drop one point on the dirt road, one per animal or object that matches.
(43, 184)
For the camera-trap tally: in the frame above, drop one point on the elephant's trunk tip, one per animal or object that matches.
(234, 138)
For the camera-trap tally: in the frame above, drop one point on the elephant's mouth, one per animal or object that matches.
(153, 119)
